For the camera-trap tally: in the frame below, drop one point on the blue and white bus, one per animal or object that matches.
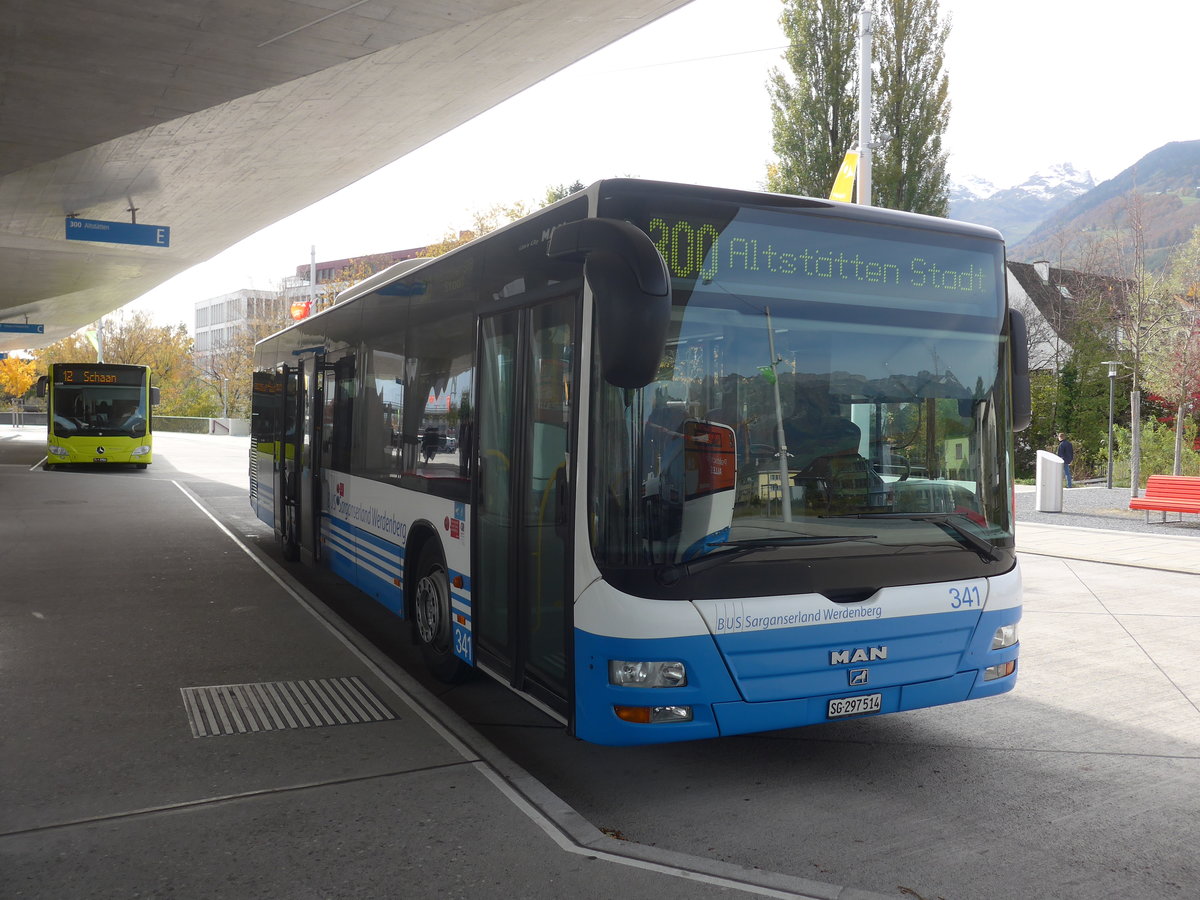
(672, 462)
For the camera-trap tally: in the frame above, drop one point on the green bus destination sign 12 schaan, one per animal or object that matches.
(118, 232)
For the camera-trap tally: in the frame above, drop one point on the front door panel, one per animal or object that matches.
(522, 523)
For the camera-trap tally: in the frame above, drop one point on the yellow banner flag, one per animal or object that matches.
(843, 187)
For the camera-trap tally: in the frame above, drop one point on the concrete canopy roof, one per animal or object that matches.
(220, 117)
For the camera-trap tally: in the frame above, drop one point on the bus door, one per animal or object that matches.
(522, 564)
(298, 529)
(287, 485)
(312, 376)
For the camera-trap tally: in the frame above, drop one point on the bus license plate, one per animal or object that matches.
(855, 706)
(99, 459)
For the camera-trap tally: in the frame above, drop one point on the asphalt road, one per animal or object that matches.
(1082, 783)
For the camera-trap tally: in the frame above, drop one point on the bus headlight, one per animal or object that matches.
(629, 673)
(58, 451)
(1005, 636)
(140, 451)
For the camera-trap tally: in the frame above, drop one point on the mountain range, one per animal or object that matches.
(1017, 211)
(1061, 214)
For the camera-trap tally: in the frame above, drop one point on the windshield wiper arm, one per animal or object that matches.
(944, 521)
(731, 550)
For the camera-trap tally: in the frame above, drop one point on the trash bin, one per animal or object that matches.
(1049, 482)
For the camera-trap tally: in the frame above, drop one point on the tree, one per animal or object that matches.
(359, 269)
(1082, 398)
(1173, 366)
(484, 221)
(74, 348)
(133, 340)
(17, 376)
(1144, 316)
(814, 112)
(224, 374)
(911, 107)
(557, 192)
(496, 216)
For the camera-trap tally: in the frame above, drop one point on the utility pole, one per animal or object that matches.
(864, 108)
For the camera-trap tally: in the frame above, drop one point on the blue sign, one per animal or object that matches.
(118, 233)
(21, 328)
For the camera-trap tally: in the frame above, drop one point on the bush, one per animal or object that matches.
(1158, 452)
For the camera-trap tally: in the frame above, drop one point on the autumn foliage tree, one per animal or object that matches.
(17, 377)
(483, 222)
(133, 340)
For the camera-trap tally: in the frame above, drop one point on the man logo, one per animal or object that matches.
(859, 677)
(857, 655)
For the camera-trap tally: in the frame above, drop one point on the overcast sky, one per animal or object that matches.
(1033, 83)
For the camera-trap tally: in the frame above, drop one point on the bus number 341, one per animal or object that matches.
(967, 596)
(462, 643)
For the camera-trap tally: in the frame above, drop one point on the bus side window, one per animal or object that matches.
(382, 442)
(441, 371)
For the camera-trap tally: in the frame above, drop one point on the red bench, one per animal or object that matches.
(1169, 493)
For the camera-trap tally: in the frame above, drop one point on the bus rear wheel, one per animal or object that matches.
(432, 618)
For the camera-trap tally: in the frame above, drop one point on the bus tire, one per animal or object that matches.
(431, 618)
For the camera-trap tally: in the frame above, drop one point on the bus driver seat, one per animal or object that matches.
(845, 482)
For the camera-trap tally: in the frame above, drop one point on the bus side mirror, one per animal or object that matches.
(41, 386)
(632, 290)
(1018, 351)
(154, 395)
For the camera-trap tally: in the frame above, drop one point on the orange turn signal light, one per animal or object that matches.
(639, 715)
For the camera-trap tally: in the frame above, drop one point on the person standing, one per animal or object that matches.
(1066, 452)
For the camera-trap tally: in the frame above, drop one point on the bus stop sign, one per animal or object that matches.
(118, 232)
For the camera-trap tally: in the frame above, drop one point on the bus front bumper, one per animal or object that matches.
(98, 451)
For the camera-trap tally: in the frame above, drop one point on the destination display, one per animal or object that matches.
(786, 254)
(98, 375)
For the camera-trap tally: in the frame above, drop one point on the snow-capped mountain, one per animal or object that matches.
(1016, 211)
(1166, 181)
(970, 189)
(1062, 180)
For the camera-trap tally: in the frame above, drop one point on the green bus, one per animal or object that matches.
(98, 413)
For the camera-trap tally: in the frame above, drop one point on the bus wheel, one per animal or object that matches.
(431, 616)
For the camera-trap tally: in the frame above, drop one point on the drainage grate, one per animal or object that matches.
(272, 705)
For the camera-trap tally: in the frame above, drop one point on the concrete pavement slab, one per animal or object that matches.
(1100, 740)
(120, 592)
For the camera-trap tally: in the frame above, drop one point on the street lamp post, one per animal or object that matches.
(1112, 380)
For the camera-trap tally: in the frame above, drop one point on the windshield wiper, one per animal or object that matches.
(731, 550)
(944, 521)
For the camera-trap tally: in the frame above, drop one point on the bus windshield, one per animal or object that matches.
(830, 392)
(102, 410)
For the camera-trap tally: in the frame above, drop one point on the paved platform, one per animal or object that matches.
(122, 596)
(1170, 553)
(131, 603)
(1096, 524)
